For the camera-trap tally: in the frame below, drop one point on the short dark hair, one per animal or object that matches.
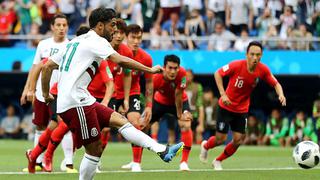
(53, 20)
(121, 24)
(101, 14)
(171, 58)
(133, 28)
(82, 30)
(254, 43)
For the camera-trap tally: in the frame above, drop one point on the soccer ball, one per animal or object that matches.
(306, 154)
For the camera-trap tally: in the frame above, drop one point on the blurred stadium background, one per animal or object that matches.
(205, 34)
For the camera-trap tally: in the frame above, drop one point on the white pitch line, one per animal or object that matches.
(168, 170)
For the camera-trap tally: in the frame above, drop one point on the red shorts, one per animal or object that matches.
(42, 113)
(86, 122)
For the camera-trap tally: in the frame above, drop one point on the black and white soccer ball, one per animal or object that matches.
(306, 154)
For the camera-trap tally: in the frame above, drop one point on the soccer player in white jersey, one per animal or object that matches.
(33, 92)
(78, 109)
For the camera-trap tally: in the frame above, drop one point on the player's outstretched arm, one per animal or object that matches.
(219, 82)
(281, 96)
(132, 64)
(45, 79)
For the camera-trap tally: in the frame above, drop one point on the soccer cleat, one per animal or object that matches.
(171, 151)
(216, 165)
(127, 166)
(63, 166)
(31, 163)
(47, 164)
(203, 156)
(73, 170)
(184, 166)
(136, 167)
(99, 167)
(38, 169)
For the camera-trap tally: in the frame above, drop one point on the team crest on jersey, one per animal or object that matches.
(94, 132)
(225, 67)
(183, 82)
(109, 72)
(256, 81)
(173, 85)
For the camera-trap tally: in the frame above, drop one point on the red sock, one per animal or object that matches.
(137, 153)
(42, 144)
(187, 138)
(104, 139)
(229, 150)
(154, 136)
(210, 143)
(56, 137)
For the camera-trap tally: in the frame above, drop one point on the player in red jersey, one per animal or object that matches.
(170, 98)
(234, 102)
(122, 76)
(134, 38)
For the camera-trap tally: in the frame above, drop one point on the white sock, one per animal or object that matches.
(88, 167)
(133, 135)
(36, 141)
(67, 146)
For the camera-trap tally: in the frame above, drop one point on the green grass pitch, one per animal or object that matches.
(252, 163)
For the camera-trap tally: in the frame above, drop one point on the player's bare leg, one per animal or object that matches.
(135, 165)
(128, 131)
(187, 138)
(229, 150)
(212, 142)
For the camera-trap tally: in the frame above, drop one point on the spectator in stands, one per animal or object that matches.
(194, 27)
(258, 7)
(174, 28)
(254, 132)
(277, 129)
(268, 43)
(316, 117)
(287, 19)
(35, 30)
(210, 103)
(242, 43)
(169, 7)
(150, 13)
(108, 3)
(221, 39)
(301, 129)
(7, 19)
(125, 8)
(210, 20)
(10, 125)
(27, 127)
(23, 12)
(265, 21)
(239, 15)
(35, 13)
(189, 5)
(68, 8)
(302, 32)
(316, 19)
(48, 9)
(276, 7)
(195, 97)
(218, 7)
